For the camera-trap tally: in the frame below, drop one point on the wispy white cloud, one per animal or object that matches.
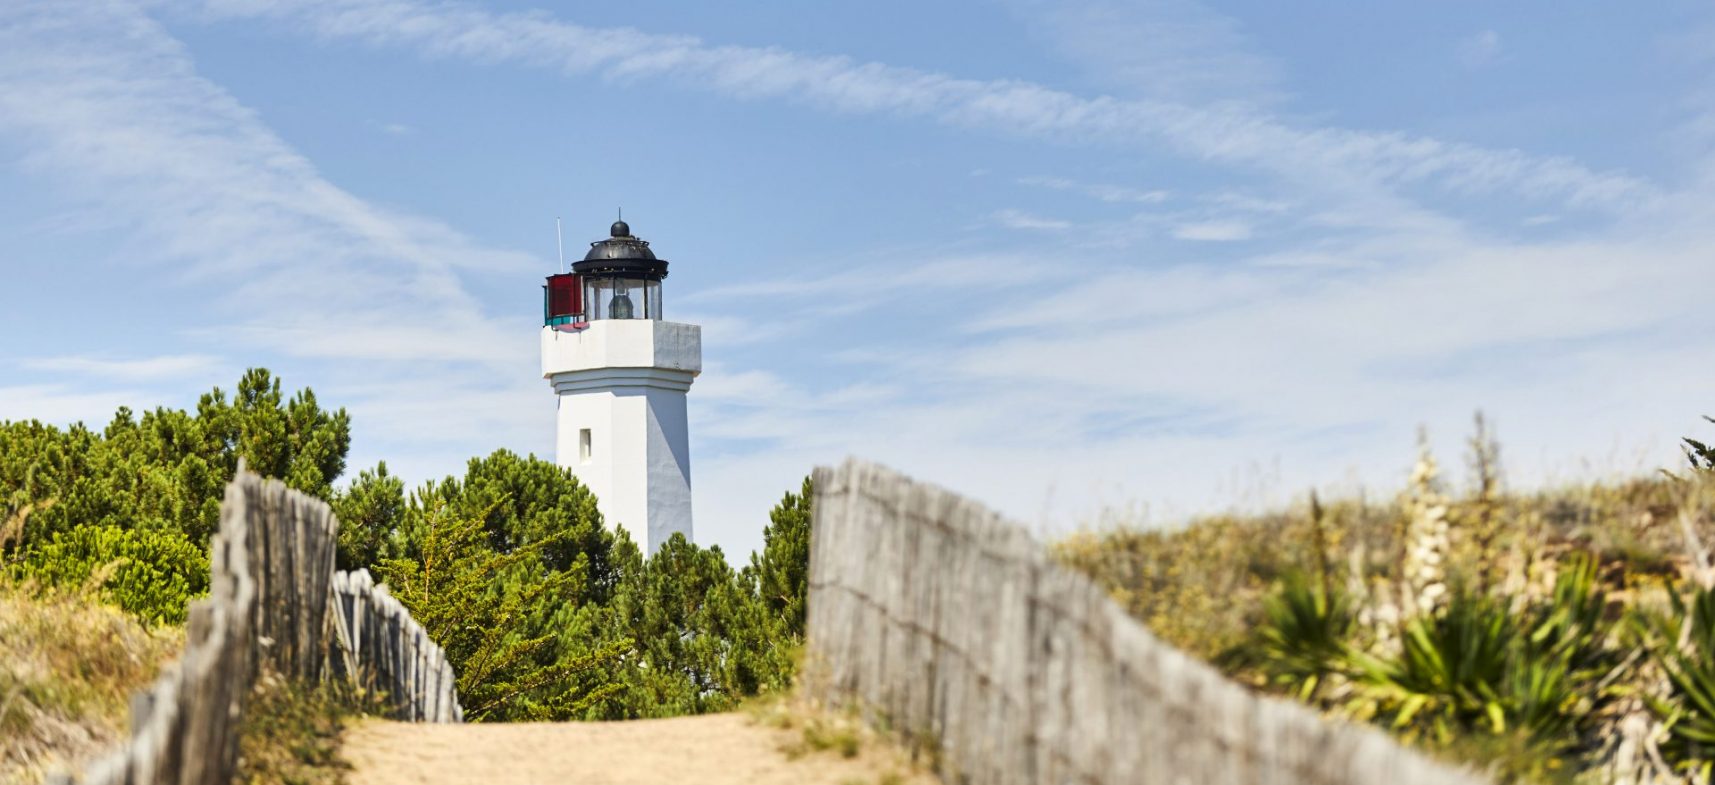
(1129, 379)
(858, 281)
(367, 304)
(1103, 191)
(128, 368)
(114, 112)
(1019, 219)
(1176, 50)
(64, 403)
(1213, 231)
(1229, 133)
(1145, 383)
(1248, 203)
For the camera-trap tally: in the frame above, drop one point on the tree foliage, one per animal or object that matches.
(455, 588)
(135, 503)
(368, 512)
(544, 612)
(1700, 454)
(168, 469)
(702, 637)
(781, 570)
(624, 636)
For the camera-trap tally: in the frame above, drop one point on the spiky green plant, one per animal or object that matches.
(1301, 640)
(1450, 673)
(1685, 648)
(1573, 626)
(1465, 682)
(1523, 685)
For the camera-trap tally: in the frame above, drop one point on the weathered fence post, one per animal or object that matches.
(275, 602)
(955, 626)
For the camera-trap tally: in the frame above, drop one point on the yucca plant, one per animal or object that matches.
(1573, 625)
(1558, 680)
(1685, 649)
(1528, 680)
(1302, 638)
(1451, 673)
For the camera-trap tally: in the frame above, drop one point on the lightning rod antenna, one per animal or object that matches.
(560, 244)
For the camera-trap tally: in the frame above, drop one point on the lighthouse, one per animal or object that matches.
(621, 372)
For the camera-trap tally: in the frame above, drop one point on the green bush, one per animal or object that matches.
(151, 574)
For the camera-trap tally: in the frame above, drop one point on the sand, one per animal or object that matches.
(713, 749)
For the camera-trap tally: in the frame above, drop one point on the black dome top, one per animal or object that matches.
(621, 245)
(622, 253)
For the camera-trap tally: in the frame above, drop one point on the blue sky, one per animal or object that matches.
(1066, 257)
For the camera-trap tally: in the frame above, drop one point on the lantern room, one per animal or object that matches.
(619, 278)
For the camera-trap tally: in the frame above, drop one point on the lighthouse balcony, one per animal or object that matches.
(623, 343)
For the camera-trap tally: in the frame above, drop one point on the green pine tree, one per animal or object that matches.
(475, 602)
(781, 571)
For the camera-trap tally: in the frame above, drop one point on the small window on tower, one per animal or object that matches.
(584, 445)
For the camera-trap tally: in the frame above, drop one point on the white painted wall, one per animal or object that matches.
(625, 380)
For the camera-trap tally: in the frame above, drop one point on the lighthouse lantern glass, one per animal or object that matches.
(618, 297)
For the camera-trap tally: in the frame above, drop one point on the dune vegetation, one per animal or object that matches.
(68, 666)
(1556, 635)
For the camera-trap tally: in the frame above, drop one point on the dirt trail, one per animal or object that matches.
(713, 749)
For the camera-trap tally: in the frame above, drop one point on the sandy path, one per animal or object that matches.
(714, 749)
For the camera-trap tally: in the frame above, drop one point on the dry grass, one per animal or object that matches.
(292, 733)
(809, 729)
(68, 666)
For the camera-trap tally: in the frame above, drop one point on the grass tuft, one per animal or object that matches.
(68, 666)
(291, 733)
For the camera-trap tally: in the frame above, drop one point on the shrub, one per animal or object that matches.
(151, 574)
(1478, 622)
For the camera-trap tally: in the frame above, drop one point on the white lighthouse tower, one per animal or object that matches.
(621, 373)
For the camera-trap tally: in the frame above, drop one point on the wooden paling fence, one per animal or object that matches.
(951, 624)
(276, 605)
